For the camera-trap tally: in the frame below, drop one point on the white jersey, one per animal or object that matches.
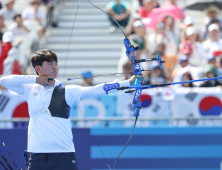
(48, 134)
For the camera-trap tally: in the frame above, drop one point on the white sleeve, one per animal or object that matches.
(17, 83)
(75, 93)
(24, 13)
(89, 92)
(41, 15)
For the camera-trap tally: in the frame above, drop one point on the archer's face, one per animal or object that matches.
(49, 69)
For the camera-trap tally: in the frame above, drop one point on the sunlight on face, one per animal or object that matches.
(50, 69)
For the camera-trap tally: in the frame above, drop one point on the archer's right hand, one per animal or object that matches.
(44, 80)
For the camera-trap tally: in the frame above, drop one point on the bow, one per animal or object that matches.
(136, 86)
(136, 71)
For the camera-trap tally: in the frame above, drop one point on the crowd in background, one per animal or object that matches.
(189, 53)
(21, 32)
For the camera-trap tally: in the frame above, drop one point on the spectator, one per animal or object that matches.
(19, 28)
(180, 10)
(183, 62)
(171, 60)
(127, 70)
(197, 56)
(140, 2)
(160, 36)
(120, 11)
(218, 55)
(87, 79)
(50, 8)
(2, 28)
(187, 77)
(188, 22)
(129, 28)
(210, 72)
(212, 59)
(186, 48)
(33, 14)
(206, 33)
(147, 7)
(156, 75)
(196, 73)
(8, 12)
(9, 60)
(212, 13)
(6, 46)
(139, 37)
(48, 4)
(213, 43)
(185, 72)
(172, 33)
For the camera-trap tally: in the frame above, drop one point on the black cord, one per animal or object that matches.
(81, 77)
(101, 150)
(71, 37)
(112, 18)
(127, 142)
(3, 165)
(102, 75)
(6, 161)
(12, 160)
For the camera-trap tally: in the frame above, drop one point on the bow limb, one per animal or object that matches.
(136, 71)
(70, 79)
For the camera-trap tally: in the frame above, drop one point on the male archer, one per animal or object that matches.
(50, 140)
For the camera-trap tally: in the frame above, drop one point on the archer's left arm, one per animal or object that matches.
(76, 93)
(101, 89)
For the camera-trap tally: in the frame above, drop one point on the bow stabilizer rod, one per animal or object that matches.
(158, 58)
(3, 165)
(5, 160)
(132, 88)
(182, 82)
(6, 148)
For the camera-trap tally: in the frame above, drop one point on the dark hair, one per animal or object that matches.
(42, 55)
(190, 78)
(18, 15)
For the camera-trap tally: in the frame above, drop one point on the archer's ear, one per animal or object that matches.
(38, 69)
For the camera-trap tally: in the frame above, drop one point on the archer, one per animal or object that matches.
(50, 140)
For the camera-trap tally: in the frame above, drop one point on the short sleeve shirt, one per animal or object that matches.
(19, 31)
(8, 14)
(119, 9)
(29, 14)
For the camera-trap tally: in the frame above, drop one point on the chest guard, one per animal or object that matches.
(58, 106)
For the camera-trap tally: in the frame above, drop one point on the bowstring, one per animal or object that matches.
(64, 76)
(111, 17)
(126, 143)
(140, 66)
(101, 75)
(70, 38)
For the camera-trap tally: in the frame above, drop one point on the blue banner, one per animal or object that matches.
(187, 148)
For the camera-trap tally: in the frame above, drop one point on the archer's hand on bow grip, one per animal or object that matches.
(134, 78)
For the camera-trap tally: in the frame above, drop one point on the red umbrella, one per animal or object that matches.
(157, 14)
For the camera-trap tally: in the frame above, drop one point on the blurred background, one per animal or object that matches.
(179, 127)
